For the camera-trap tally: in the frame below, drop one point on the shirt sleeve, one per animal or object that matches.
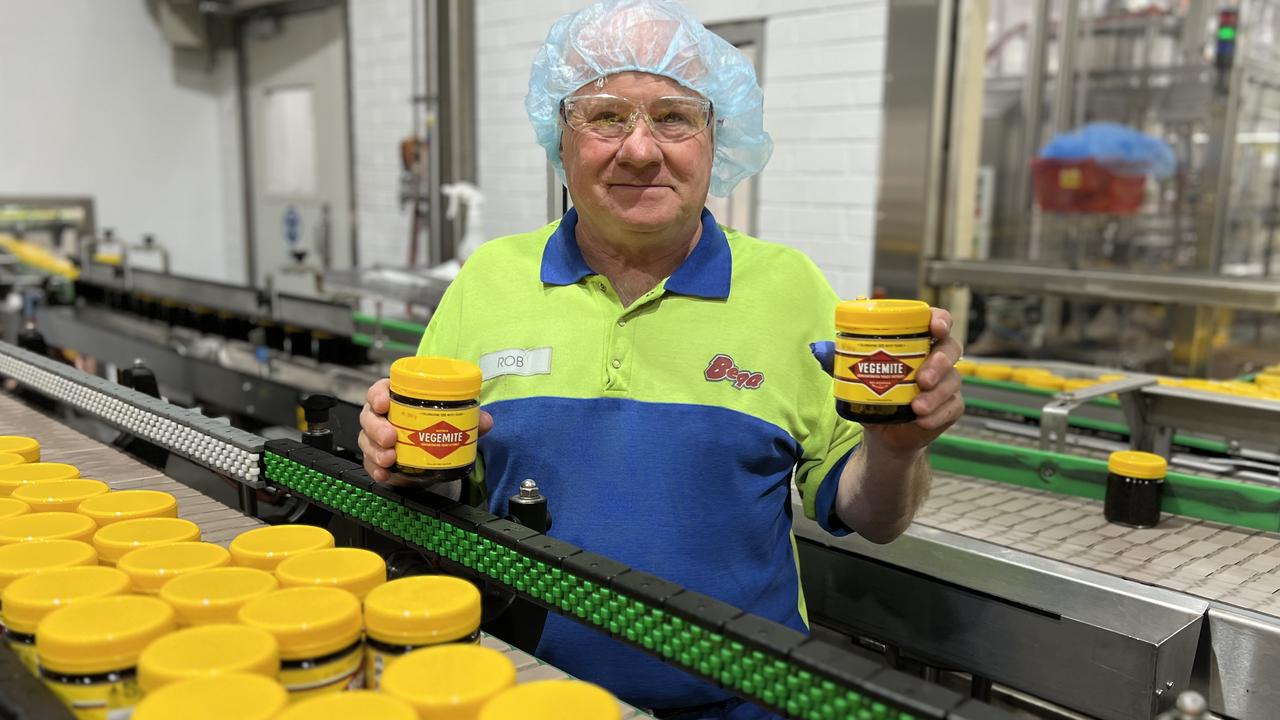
(443, 337)
(830, 440)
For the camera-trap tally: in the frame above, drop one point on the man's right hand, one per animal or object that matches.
(378, 437)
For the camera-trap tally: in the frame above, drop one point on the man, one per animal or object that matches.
(665, 392)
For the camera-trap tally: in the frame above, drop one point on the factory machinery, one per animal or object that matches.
(761, 661)
(250, 353)
(1011, 585)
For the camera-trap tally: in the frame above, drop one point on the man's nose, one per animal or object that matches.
(639, 148)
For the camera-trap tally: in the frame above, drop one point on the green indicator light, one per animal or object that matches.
(1226, 33)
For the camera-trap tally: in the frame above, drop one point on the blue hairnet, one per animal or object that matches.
(663, 38)
(1121, 147)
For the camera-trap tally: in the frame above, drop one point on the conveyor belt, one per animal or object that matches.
(1211, 560)
(218, 522)
(59, 443)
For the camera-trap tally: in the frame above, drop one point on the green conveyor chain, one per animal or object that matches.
(767, 663)
(1223, 501)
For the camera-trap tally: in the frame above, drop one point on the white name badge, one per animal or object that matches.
(517, 361)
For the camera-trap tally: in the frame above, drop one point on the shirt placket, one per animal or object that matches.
(619, 336)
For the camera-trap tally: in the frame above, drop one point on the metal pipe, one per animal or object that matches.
(1032, 104)
(1064, 82)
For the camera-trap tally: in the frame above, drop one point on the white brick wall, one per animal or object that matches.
(822, 74)
(382, 85)
(822, 79)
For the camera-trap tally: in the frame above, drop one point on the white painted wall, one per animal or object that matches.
(381, 41)
(95, 102)
(822, 75)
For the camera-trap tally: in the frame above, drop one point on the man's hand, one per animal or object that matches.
(886, 480)
(378, 436)
(938, 405)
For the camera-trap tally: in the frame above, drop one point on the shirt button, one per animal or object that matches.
(617, 364)
(622, 323)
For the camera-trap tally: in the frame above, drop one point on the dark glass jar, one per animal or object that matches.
(1135, 484)
(880, 344)
(435, 408)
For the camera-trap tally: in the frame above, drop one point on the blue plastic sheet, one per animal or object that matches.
(1120, 148)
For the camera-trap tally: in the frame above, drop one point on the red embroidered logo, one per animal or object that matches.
(440, 440)
(880, 371)
(722, 367)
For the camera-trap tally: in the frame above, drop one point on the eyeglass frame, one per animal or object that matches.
(641, 109)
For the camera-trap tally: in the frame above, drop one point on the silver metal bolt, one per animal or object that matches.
(529, 490)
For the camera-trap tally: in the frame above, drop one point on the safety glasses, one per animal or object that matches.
(608, 117)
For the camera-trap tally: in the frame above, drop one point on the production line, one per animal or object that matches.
(763, 662)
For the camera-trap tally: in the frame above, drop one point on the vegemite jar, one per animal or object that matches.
(435, 408)
(880, 344)
(1134, 484)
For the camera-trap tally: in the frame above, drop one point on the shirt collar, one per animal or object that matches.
(706, 273)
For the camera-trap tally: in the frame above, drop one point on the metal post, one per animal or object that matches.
(1032, 104)
(1064, 83)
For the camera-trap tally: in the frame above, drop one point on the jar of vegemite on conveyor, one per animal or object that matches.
(1135, 481)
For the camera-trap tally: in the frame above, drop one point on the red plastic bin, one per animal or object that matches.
(1085, 186)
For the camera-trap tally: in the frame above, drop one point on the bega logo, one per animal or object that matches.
(440, 440)
(722, 367)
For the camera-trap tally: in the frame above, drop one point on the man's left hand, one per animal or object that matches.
(938, 405)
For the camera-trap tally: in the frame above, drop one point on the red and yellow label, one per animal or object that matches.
(878, 372)
(435, 439)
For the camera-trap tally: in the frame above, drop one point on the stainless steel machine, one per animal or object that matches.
(1196, 263)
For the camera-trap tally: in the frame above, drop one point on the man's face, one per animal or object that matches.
(636, 183)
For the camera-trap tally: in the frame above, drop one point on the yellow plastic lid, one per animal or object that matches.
(1023, 374)
(59, 495)
(102, 634)
(215, 595)
(353, 569)
(13, 476)
(46, 526)
(28, 448)
(128, 505)
(966, 367)
(8, 459)
(264, 548)
(553, 700)
(150, 567)
(1078, 384)
(13, 508)
(883, 317)
(1111, 377)
(989, 371)
(1134, 464)
(307, 621)
(422, 610)
(22, 559)
(242, 696)
(29, 599)
(206, 651)
(463, 679)
(435, 378)
(1048, 381)
(116, 539)
(352, 705)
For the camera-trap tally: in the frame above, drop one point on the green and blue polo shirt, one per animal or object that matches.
(664, 434)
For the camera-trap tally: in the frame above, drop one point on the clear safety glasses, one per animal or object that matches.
(608, 117)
